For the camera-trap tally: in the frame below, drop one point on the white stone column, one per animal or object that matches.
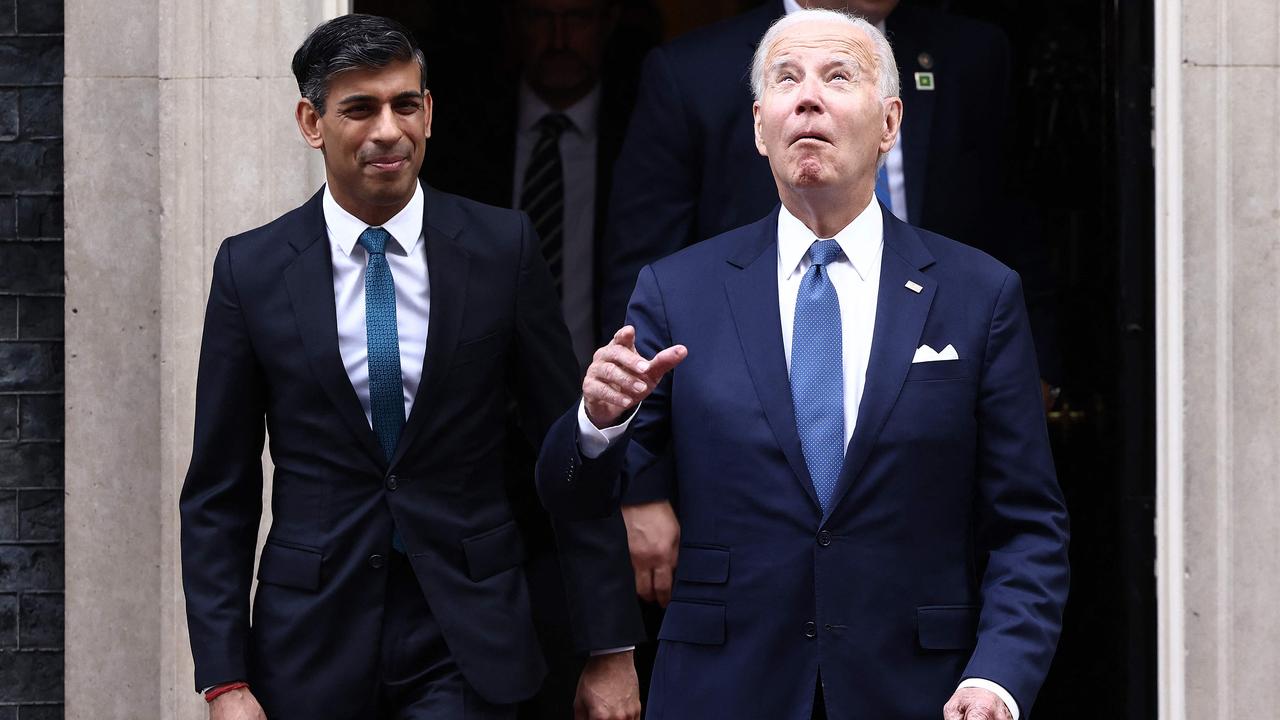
(179, 132)
(1218, 301)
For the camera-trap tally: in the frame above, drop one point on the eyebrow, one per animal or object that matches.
(359, 97)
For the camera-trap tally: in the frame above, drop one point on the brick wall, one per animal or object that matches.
(31, 370)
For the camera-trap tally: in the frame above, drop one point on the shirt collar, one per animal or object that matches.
(860, 241)
(583, 114)
(405, 227)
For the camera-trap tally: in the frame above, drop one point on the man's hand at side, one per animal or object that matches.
(619, 378)
(239, 704)
(608, 689)
(653, 535)
(975, 704)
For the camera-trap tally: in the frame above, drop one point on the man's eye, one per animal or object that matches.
(839, 76)
(409, 108)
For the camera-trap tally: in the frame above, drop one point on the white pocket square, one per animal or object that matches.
(927, 354)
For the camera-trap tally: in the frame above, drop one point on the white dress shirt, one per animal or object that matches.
(893, 163)
(856, 277)
(407, 256)
(578, 161)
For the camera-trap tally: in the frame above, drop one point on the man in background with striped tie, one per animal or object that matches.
(382, 331)
(870, 523)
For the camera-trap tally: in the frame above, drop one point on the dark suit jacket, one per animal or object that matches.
(689, 168)
(943, 554)
(270, 349)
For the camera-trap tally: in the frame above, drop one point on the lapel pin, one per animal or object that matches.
(925, 60)
(914, 287)
(924, 81)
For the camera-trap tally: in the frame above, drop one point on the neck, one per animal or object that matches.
(561, 100)
(369, 213)
(825, 211)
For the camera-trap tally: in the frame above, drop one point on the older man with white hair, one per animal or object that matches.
(870, 522)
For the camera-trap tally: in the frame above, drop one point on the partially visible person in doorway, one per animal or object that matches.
(543, 139)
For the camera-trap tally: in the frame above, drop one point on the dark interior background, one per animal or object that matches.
(1081, 83)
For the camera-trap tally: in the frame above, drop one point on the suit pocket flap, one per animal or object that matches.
(947, 627)
(939, 370)
(478, 349)
(493, 551)
(702, 564)
(701, 623)
(293, 566)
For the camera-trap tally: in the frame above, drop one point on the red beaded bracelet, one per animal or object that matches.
(217, 690)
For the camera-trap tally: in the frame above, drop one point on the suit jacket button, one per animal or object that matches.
(377, 561)
(392, 483)
(824, 538)
(810, 630)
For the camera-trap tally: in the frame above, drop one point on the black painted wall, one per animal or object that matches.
(31, 369)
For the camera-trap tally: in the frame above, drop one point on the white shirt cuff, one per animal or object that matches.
(995, 688)
(611, 651)
(592, 441)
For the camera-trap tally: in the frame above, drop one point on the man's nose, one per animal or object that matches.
(809, 97)
(385, 128)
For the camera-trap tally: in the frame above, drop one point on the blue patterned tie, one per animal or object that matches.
(817, 372)
(386, 388)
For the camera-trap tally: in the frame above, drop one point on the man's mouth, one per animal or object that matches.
(811, 136)
(389, 163)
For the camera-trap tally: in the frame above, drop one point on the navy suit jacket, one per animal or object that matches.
(944, 552)
(689, 169)
(270, 349)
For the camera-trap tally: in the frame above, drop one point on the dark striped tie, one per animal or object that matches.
(542, 196)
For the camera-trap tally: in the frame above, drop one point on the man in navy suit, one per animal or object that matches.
(688, 171)
(382, 330)
(870, 522)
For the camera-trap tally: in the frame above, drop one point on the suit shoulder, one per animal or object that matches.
(718, 250)
(271, 240)
(490, 229)
(966, 261)
(732, 38)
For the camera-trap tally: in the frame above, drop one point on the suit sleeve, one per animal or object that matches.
(653, 203)
(574, 486)
(1022, 518)
(221, 500)
(595, 564)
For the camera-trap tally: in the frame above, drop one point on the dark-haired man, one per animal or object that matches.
(382, 329)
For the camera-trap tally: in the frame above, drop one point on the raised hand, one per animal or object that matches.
(619, 378)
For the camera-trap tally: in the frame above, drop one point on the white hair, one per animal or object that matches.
(886, 66)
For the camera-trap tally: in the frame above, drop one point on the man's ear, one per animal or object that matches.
(755, 113)
(892, 124)
(427, 106)
(309, 124)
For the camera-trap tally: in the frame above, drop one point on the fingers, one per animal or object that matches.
(644, 585)
(664, 362)
(625, 337)
(662, 584)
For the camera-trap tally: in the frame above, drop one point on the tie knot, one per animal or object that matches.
(553, 124)
(822, 252)
(374, 240)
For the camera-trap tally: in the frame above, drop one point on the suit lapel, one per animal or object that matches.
(309, 279)
(753, 301)
(900, 318)
(447, 266)
(917, 106)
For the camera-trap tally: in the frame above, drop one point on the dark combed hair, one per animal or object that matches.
(351, 42)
